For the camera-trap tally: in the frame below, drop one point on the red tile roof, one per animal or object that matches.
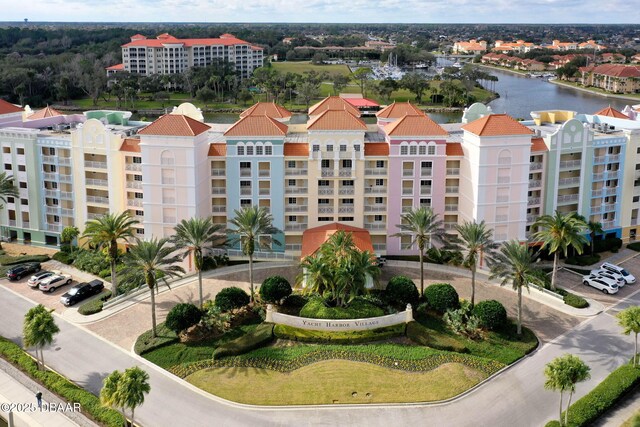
(454, 149)
(611, 112)
(361, 102)
(117, 67)
(257, 126)
(175, 125)
(225, 40)
(131, 145)
(496, 125)
(9, 108)
(414, 126)
(270, 109)
(376, 149)
(44, 113)
(294, 149)
(217, 150)
(614, 70)
(333, 103)
(397, 110)
(313, 238)
(336, 120)
(538, 145)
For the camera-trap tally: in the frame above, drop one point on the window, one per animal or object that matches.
(55, 202)
(137, 177)
(259, 150)
(11, 200)
(426, 164)
(291, 164)
(379, 200)
(325, 164)
(245, 165)
(425, 183)
(54, 185)
(24, 202)
(636, 199)
(240, 150)
(323, 201)
(356, 147)
(52, 168)
(245, 184)
(431, 150)
(347, 182)
(379, 163)
(316, 147)
(7, 150)
(245, 203)
(325, 218)
(21, 151)
(139, 213)
(22, 168)
(249, 150)
(404, 150)
(293, 201)
(329, 147)
(379, 182)
(422, 150)
(137, 195)
(347, 164)
(413, 150)
(291, 182)
(23, 184)
(7, 166)
(377, 218)
(56, 218)
(343, 148)
(140, 231)
(268, 150)
(323, 183)
(425, 202)
(347, 201)
(135, 159)
(293, 218)
(345, 218)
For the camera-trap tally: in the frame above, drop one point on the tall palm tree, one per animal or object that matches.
(563, 373)
(38, 330)
(194, 235)
(7, 189)
(474, 239)
(629, 319)
(558, 232)
(106, 231)
(514, 264)
(151, 262)
(132, 387)
(423, 226)
(249, 224)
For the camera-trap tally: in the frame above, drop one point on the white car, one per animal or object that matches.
(610, 275)
(628, 277)
(608, 286)
(37, 278)
(52, 283)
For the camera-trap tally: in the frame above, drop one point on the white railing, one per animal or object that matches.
(296, 208)
(405, 191)
(502, 218)
(218, 190)
(296, 190)
(407, 172)
(376, 190)
(95, 165)
(134, 184)
(264, 173)
(134, 202)
(608, 225)
(263, 255)
(346, 191)
(453, 171)
(535, 183)
(345, 209)
(450, 208)
(52, 193)
(327, 172)
(12, 222)
(535, 166)
(568, 198)
(218, 172)
(325, 191)
(504, 179)
(378, 247)
(295, 171)
(452, 189)
(244, 191)
(613, 158)
(66, 195)
(53, 227)
(450, 225)
(599, 159)
(245, 172)
(295, 227)
(569, 181)
(375, 208)
(376, 171)
(570, 164)
(169, 220)
(54, 210)
(97, 182)
(375, 226)
(169, 200)
(610, 191)
(597, 209)
(406, 209)
(426, 171)
(292, 246)
(325, 209)
(345, 155)
(65, 178)
(218, 208)
(264, 191)
(50, 176)
(26, 224)
(502, 199)
(168, 180)
(66, 212)
(133, 167)
(531, 218)
(92, 215)
(167, 161)
(98, 199)
(345, 172)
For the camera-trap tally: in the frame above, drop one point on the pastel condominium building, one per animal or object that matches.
(331, 168)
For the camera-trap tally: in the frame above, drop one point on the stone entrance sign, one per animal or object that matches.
(339, 325)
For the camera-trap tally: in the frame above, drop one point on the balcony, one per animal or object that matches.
(133, 184)
(533, 201)
(375, 225)
(406, 191)
(134, 202)
(535, 183)
(12, 222)
(54, 210)
(607, 225)
(376, 190)
(570, 164)
(376, 171)
(50, 176)
(67, 195)
(453, 171)
(296, 208)
(328, 172)
(264, 173)
(95, 165)
(65, 178)
(133, 167)
(325, 209)
(298, 226)
(450, 225)
(92, 215)
(97, 182)
(324, 191)
(53, 227)
(531, 218)
(425, 191)
(452, 189)
(535, 166)
(245, 191)
(292, 246)
(451, 208)
(98, 199)
(218, 190)
(407, 172)
(426, 171)
(504, 179)
(568, 198)
(66, 212)
(375, 208)
(345, 209)
(264, 191)
(344, 172)
(296, 190)
(245, 172)
(218, 209)
(502, 218)
(290, 171)
(346, 191)
(379, 247)
(218, 172)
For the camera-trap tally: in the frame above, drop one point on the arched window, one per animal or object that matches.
(166, 158)
(504, 157)
(404, 149)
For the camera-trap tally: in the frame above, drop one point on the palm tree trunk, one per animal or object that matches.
(566, 413)
(635, 352)
(132, 414)
(519, 330)
(200, 286)
(421, 273)
(556, 257)
(41, 357)
(153, 314)
(593, 238)
(473, 285)
(114, 285)
(251, 276)
(560, 408)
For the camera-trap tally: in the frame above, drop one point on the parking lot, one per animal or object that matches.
(573, 282)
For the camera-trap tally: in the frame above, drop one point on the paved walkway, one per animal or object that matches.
(620, 413)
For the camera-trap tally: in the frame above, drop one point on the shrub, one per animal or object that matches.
(587, 409)
(208, 263)
(12, 260)
(575, 300)
(544, 276)
(357, 309)
(462, 321)
(295, 300)
(635, 246)
(259, 337)
(274, 289)
(230, 298)
(441, 297)
(64, 257)
(94, 306)
(89, 403)
(609, 244)
(183, 316)
(583, 260)
(401, 291)
(337, 337)
(491, 313)
(90, 261)
(430, 338)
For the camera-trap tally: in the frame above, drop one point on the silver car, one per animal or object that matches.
(610, 275)
(608, 286)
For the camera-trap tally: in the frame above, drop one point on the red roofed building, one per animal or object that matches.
(313, 238)
(616, 78)
(169, 55)
(114, 69)
(611, 112)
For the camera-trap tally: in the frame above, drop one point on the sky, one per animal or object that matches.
(331, 11)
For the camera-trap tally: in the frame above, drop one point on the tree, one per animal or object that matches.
(595, 228)
(339, 81)
(558, 232)
(253, 228)
(7, 189)
(562, 374)
(106, 231)
(363, 75)
(423, 226)
(416, 83)
(386, 87)
(474, 239)
(68, 235)
(514, 264)
(629, 319)
(150, 262)
(125, 390)
(194, 236)
(38, 330)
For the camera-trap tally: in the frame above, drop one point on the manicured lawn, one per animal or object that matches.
(302, 66)
(336, 381)
(634, 421)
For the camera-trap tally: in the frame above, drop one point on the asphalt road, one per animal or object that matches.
(515, 398)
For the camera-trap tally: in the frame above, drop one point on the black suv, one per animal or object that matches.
(81, 291)
(19, 271)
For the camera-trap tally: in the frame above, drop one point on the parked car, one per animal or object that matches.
(608, 286)
(381, 261)
(81, 292)
(628, 277)
(610, 275)
(19, 271)
(37, 278)
(52, 283)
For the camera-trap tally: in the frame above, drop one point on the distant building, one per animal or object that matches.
(613, 58)
(472, 46)
(168, 55)
(614, 78)
(519, 46)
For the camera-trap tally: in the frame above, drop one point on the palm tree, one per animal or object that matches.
(563, 373)
(109, 395)
(595, 229)
(422, 225)
(7, 189)
(194, 236)
(514, 264)
(629, 319)
(558, 232)
(474, 239)
(125, 390)
(249, 225)
(106, 231)
(150, 262)
(38, 330)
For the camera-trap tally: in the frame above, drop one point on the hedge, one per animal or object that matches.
(583, 260)
(260, 336)
(611, 244)
(13, 260)
(61, 386)
(338, 337)
(357, 309)
(430, 338)
(575, 300)
(94, 306)
(635, 246)
(64, 257)
(183, 316)
(587, 409)
(230, 298)
(401, 291)
(441, 297)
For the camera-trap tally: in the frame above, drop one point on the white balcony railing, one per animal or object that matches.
(95, 165)
(453, 171)
(323, 191)
(426, 171)
(298, 226)
(328, 172)
(568, 164)
(133, 167)
(450, 225)
(568, 198)
(54, 210)
(375, 225)
(376, 190)
(451, 208)
(134, 184)
(375, 208)
(376, 171)
(97, 182)
(345, 209)
(325, 209)
(345, 172)
(134, 202)
(407, 172)
(407, 191)
(425, 190)
(296, 208)
(264, 173)
(245, 191)
(218, 209)
(218, 172)
(290, 171)
(245, 172)
(452, 189)
(533, 201)
(346, 191)
(535, 183)
(535, 166)
(264, 191)
(296, 190)
(218, 190)
(98, 199)
(169, 200)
